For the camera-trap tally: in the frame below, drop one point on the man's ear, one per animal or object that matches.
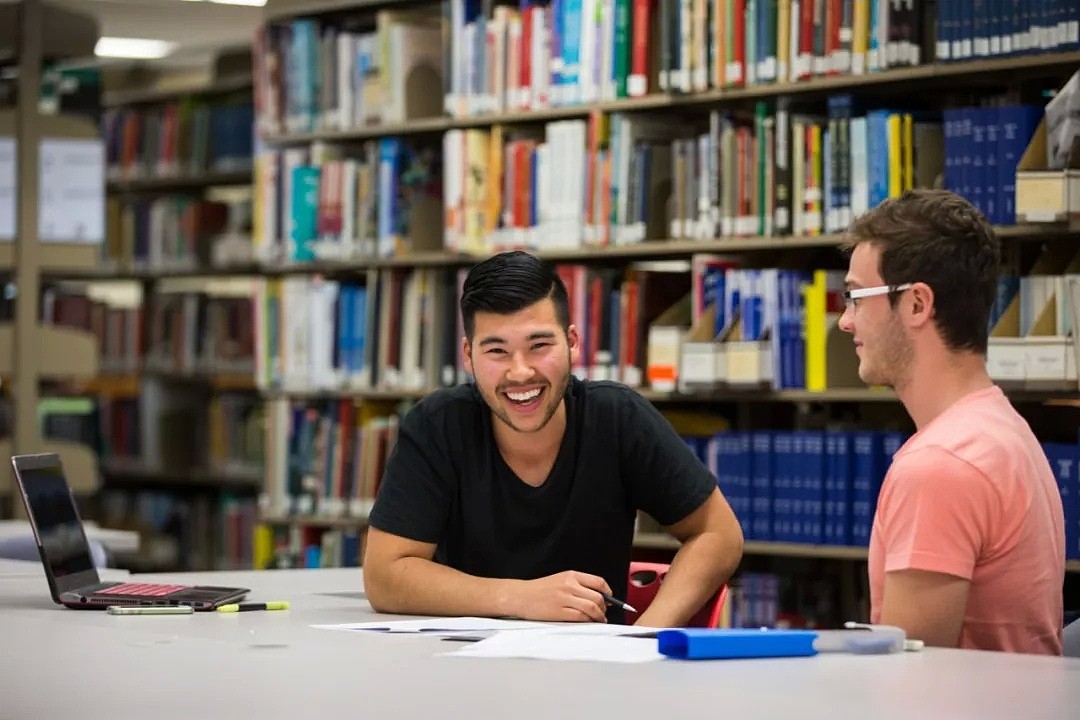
(574, 341)
(922, 304)
(466, 354)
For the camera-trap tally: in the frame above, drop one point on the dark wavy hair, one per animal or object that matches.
(509, 282)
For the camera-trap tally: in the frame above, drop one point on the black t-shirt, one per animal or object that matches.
(447, 483)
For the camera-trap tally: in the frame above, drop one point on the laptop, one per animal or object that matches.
(65, 552)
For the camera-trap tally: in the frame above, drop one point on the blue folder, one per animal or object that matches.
(708, 644)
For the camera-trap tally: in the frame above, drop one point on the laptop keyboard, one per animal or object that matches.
(142, 589)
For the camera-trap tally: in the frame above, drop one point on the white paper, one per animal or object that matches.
(71, 204)
(438, 626)
(8, 175)
(593, 643)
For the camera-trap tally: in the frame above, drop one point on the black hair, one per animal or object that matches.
(510, 282)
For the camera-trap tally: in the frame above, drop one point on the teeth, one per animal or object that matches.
(523, 397)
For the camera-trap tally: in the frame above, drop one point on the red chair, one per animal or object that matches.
(644, 583)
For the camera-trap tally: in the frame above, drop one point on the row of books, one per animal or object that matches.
(334, 202)
(118, 329)
(621, 179)
(199, 333)
(279, 547)
(400, 330)
(338, 73)
(181, 531)
(394, 332)
(177, 139)
(229, 435)
(330, 74)
(237, 433)
(983, 146)
(327, 458)
(171, 232)
(804, 486)
(565, 52)
(821, 487)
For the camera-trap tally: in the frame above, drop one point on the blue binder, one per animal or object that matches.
(709, 644)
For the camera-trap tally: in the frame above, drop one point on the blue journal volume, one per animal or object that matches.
(710, 644)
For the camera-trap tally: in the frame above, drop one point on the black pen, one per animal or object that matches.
(612, 600)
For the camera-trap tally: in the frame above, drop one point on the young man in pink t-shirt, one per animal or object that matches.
(968, 543)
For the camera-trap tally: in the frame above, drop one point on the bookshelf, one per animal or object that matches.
(175, 412)
(334, 138)
(33, 352)
(324, 142)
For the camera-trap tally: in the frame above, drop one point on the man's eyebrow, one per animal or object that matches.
(538, 335)
(851, 285)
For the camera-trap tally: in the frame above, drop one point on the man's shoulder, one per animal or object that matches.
(608, 394)
(984, 430)
(448, 403)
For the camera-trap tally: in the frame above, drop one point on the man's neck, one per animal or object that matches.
(937, 382)
(531, 447)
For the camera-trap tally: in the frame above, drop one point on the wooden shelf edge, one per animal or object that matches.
(199, 477)
(64, 352)
(208, 179)
(86, 270)
(146, 96)
(320, 521)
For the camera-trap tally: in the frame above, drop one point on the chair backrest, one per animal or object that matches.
(644, 582)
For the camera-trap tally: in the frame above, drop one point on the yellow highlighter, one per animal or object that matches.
(244, 607)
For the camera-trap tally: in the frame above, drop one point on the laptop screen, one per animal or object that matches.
(59, 528)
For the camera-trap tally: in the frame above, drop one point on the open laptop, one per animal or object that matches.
(65, 552)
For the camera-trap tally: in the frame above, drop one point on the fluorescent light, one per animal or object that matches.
(249, 3)
(136, 48)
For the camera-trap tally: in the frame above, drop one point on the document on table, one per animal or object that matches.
(596, 643)
(439, 626)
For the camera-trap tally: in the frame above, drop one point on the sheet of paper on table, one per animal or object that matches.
(439, 626)
(596, 643)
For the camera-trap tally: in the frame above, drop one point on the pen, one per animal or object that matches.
(612, 600)
(244, 607)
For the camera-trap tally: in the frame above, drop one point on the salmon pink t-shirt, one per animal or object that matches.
(972, 495)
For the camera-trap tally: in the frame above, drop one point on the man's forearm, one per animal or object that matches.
(414, 586)
(699, 567)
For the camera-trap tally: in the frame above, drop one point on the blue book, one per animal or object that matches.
(715, 644)
(345, 346)
(761, 486)
(867, 469)
(1064, 460)
(305, 212)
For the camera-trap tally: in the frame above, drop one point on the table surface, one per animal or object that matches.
(58, 663)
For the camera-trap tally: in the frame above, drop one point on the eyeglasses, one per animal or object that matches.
(851, 297)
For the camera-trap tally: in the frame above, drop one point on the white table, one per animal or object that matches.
(57, 663)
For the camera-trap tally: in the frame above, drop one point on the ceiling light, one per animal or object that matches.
(135, 48)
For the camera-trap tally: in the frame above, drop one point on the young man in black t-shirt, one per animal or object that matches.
(516, 495)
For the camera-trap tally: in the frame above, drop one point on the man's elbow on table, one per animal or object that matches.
(384, 554)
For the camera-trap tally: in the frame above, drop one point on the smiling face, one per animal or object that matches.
(881, 340)
(521, 363)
